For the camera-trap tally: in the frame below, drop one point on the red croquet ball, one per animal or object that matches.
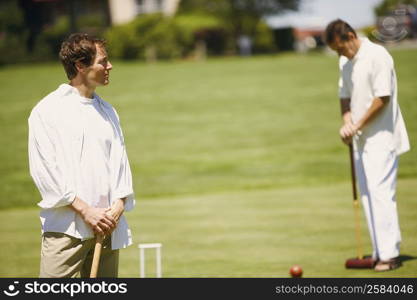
(296, 271)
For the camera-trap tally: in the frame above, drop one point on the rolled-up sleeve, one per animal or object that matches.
(344, 91)
(123, 175)
(382, 76)
(47, 174)
(124, 188)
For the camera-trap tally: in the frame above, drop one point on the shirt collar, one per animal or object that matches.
(74, 91)
(362, 48)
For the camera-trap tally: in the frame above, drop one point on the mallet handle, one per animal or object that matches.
(352, 171)
(356, 205)
(96, 257)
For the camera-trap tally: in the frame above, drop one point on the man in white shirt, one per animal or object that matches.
(372, 121)
(78, 161)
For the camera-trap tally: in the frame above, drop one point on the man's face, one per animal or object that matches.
(98, 73)
(346, 48)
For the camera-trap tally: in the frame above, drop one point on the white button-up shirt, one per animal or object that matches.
(368, 75)
(76, 148)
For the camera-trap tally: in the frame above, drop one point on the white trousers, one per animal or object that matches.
(376, 173)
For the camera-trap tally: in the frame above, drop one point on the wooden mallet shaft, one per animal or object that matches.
(355, 204)
(96, 256)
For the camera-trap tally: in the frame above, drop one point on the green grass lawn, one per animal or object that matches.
(238, 168)
(238, 234)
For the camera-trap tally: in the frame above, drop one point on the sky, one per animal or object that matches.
(317, 13)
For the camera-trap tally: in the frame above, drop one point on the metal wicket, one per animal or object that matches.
(157, 247)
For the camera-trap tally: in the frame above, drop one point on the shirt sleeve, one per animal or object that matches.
(47, 174)
(382, 71)
(124, 186)
(344, 92)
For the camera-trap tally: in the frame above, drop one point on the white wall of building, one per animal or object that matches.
(171, 7)
(123, 11)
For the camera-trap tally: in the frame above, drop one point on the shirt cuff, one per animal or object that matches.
(51, 201)
(130, 201)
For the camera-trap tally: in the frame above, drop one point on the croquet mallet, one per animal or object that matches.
(360, 262)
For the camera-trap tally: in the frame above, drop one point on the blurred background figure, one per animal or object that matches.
(245, 45)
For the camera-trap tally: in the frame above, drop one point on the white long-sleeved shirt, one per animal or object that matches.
(76, 148)
(370, 74)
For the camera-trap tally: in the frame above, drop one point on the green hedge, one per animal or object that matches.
(148, 37)
(264, 39)
(137, 39)
(157, 37)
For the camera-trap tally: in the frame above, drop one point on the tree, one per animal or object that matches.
(239, 16)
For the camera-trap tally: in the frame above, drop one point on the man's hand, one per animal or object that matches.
(117, 209)
(97, 218)
(347, 131)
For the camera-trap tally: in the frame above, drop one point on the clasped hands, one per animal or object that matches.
(104, 220)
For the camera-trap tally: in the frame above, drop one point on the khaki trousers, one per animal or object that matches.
(63, 256)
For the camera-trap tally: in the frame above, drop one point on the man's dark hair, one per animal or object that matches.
(78, 47)
(338, 28)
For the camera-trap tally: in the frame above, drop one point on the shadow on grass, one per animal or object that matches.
(367, 263)
(403, 258)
